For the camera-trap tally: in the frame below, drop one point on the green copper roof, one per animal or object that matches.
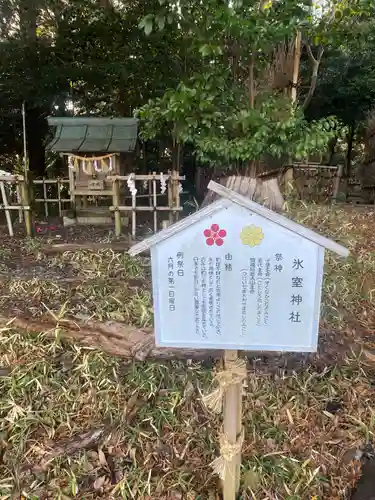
(93, 135)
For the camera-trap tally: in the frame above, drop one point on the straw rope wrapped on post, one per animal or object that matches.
(235, 373)
(228, 452)
(227, 396)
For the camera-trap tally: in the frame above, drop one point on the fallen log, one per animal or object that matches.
(115, 338)
(116, 246)
(84, 441)
(126, 341)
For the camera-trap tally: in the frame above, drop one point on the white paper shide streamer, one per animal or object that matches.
(96, 166)
(131, 184)
(87, 167)
(163, 184)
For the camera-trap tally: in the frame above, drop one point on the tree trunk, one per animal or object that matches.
(252, 167)
(314, 76)
(36, 126)
(349, 149)
(28, 11)
(348, 157)
(251, 82)
(36, 130)
(296, 66)
(332, 149)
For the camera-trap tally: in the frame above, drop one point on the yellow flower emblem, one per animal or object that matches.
(252, 236)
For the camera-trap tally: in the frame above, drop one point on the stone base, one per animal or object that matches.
(97, 216)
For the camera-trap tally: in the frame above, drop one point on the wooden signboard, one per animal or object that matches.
(236, 276)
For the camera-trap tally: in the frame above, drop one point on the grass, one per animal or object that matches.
(157, 438)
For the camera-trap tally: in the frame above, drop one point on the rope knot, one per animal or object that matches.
(234, 373)
(228, 451)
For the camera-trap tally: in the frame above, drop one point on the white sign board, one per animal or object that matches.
(235, 280)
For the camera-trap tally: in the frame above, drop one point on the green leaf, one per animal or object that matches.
(148, 27)
(147, 24)
(205, 50)
(160, 21)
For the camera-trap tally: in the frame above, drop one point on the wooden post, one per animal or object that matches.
(150, 191)
(59, 196)
(7, 214)
(116, 203)
(165, 224)
(337, 181)
(72, 188)
(45, 198)
(19, 202)
(154, 202)
(232, 430)
(25, 203)
(134, 215)
(170, 195)
(177, 201)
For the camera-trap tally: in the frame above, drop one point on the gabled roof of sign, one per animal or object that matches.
(93, 135)
(229, 197)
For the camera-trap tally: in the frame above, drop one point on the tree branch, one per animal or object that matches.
(314, 76)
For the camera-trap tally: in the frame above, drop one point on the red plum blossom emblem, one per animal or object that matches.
(214, 235)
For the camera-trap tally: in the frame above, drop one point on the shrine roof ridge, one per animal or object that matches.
(228, 197)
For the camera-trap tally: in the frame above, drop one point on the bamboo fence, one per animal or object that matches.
(172, 180)
(146, 196)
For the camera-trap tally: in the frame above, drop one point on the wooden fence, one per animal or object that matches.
(15, 197)
(144, 197)
(58, 184)
(315, 182)
(149, 182)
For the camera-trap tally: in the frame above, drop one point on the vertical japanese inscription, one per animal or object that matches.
(207, 295)
(203, 272)
(180, 264)
(260, 272)
(218, 267)
(297, 286)
(196, 295)
(211, 273)
(171, 285)
(244, 292)
(252, 275)
(267, 281)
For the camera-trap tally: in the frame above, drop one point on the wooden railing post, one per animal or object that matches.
(170, 195)
(6, 208)
(46, 212)
(19, 202)
(154, 202)
(26, 206)
(134, 215)
(176, 194)
(59, 196)
(337, 181)
(116, 204)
